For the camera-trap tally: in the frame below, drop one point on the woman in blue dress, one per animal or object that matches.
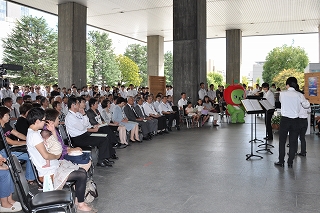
(119, 117)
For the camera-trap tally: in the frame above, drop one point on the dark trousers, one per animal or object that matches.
(111, 136)
(144, 128)
(303, 122)
(268, 117)
(101, 142)
(162, 122)
(290, 125)
(171, 117)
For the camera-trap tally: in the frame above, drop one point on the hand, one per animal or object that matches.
(139, 119)
(116, 123)
(51, 127)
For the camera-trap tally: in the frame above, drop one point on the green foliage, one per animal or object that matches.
(245, 80)
(276, 119)
(102, 67)
(285, 57)
(280, 80)
(215, 78)
(129, 71)
(168, 67)
(258, 81)
(33, 45)
(138, 54)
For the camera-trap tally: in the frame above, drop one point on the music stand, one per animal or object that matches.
(252, 107)
(268, 107)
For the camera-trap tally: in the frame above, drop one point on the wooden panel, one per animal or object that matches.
(315, 98)
(157, 84)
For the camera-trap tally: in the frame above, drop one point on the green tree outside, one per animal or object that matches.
(215, 78)
(102, 67)
(129, 71)
(168, 67)
(33, 45)
(280, 80)
(245, 80)
(285, 57)
(258, 81)
(138, 54)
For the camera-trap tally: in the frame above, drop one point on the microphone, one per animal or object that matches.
(11, 67)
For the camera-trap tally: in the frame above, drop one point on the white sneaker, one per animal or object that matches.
(11, 209)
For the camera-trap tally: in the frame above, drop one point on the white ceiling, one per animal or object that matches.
(140, 18)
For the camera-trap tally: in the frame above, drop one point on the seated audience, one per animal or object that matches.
(211, 110)
(166, 110)
(192, 113)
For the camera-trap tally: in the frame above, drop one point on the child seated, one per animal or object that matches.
(52, 145)
(192, 113)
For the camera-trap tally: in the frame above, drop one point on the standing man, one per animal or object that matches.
(291, 101)
(267, 94)
(202, 92)
(212, 94)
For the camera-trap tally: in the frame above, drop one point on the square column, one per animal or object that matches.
(189, 47)
(155, 51)
(72, 59)
(233, 55)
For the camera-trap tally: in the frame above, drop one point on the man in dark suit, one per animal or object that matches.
(132, 115)
(152, 123)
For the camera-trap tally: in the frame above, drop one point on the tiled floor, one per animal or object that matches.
(205, 170)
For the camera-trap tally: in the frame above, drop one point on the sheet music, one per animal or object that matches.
(251, 105)
(266, 104)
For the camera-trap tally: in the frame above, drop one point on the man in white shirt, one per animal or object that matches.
(84, 91)
(211, 94)
(256, 90)
(123, 92)
(167, 111)
(6, 92)
(202, 92)
(157, 103)
(291, 102)
(19, 102)
(64, 105)
(14, 114)
(267, 94)
(151, 112)
(80, 129)
(169, 90)
(183, 101)
(132, 92)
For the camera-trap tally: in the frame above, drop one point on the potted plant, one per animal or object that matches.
(275, 122)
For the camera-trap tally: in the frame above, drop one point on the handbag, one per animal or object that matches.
(91, 191)
(78, 159)
(204, 112)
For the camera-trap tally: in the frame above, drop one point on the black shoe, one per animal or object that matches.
(103, 164)
(114, 156)
(165, 131)
(178, 128)
(302, 154)
(169, 129)
(116, 145)
(289, 165)
(160, 133)
(107, 161)
(122, 146)
(279, 164)
(288, 145)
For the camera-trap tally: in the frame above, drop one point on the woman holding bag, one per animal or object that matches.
(39, 155)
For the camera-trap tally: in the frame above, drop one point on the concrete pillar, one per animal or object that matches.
(189, 47)
(72, 23)
(155, 51)
(233, 56)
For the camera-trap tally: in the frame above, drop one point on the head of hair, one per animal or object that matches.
(38, 97)
(204, 99)
(265, 85)
(35, 114)
(92, 101)
(183, 93)
(55, 104)
(71, 100)
(24, 108)
(120, 100)
(189, 102)
(25, 97)
(19, 98)
(158, 96)
(292, 82)
(3, 111)
(201, 83)
(42, 100)
(7, 99)
(105, 103)
(51, 114)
